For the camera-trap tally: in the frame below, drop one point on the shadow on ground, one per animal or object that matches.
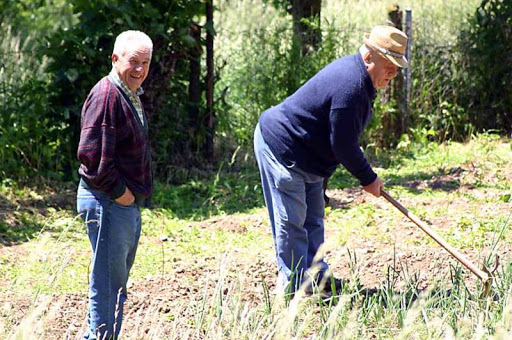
(23, 218)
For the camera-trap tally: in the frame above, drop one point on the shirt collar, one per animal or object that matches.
(126, 89)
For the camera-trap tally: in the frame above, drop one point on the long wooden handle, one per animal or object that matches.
(461, 258)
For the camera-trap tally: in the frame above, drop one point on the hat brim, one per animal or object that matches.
(400, 62)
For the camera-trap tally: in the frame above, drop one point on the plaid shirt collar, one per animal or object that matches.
(134, 97)
(126, 89)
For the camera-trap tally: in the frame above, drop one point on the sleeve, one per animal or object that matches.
(346, 129)
(97, 145)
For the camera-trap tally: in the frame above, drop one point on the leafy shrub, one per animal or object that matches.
(271, 68)
(486, 47)
(461, 87)
(88, 45)
(29, 139)
(436, 92)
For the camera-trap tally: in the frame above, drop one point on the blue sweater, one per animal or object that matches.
(319, 126)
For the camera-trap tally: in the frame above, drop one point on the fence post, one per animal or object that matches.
(407, 73)
(392, 119)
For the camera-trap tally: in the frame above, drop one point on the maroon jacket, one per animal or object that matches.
(114, 145)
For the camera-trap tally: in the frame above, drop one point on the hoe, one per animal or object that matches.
(484, 274)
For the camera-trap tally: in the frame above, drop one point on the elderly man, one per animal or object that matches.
(301, 141)
(116, 179)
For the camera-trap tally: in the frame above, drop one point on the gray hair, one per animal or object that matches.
(123, 40)
(364, 49)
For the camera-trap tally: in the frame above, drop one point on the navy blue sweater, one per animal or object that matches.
(319, 126)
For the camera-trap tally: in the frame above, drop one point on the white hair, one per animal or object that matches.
(364, 49)
(123, 40)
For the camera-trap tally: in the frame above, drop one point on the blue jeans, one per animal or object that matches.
(295, 203)
(114, 232)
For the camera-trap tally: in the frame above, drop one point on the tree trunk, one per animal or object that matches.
(306, 23)
(194, 94)
(210, 113)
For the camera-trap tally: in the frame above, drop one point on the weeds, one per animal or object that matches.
(210, 274)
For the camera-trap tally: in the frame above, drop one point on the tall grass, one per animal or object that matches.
(29, 139)
(221, 311)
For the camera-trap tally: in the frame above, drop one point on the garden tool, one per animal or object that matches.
(483, 274)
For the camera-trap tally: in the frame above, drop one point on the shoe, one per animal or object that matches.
(333, 285)
(326, 287)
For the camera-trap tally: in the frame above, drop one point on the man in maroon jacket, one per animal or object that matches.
(116, 179)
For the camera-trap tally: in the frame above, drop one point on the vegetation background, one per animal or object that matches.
(205, 267)
(54, 51)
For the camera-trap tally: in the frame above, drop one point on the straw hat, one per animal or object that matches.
(389, 42)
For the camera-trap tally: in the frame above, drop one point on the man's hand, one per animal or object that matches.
(127, 198)
(374, 187)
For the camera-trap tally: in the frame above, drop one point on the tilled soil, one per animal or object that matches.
(370, 260)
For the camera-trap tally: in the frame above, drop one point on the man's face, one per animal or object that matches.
(382, 71)
(133, 66)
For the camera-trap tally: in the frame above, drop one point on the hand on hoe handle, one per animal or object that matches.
(374, 187)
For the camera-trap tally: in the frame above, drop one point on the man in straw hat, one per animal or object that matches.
(301, 141)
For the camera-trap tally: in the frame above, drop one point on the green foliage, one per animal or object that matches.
(271, 68)
(385, 123)
(462, 87)
(280, 4)
(486, 48)
(30, 142)
(53, 52)
(33, 17)
(435, 103)
(88, 45)
(29, 139)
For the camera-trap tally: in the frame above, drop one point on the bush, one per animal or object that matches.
(58, 51)
(271, 68)
(436, 91)
(30, 141)
(486, 46)
(462, 87)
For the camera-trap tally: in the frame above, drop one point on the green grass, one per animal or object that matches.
(191, 227)
(44, 249)
(236, 191)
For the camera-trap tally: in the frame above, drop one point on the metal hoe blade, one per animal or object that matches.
(483, 274)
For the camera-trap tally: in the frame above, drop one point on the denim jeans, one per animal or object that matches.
(295, 203)
(114, 232)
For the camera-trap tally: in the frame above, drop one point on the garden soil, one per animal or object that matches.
(370, 259)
